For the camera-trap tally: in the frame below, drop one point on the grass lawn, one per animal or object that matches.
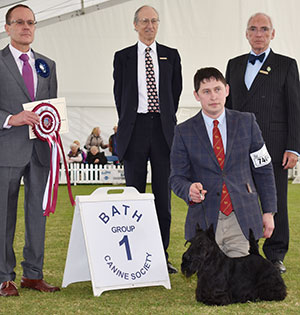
(78, 298)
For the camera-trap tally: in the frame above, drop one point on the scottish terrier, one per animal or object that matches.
(223, 280)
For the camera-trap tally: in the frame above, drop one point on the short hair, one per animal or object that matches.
(260, 13)
(9, 12)
(136, 14)
(206, 74)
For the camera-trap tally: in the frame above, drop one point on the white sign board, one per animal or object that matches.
(115, 242)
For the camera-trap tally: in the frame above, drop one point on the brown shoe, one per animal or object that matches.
(8, 288)
(38, 284)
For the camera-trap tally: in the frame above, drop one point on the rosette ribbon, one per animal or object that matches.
(48, 130)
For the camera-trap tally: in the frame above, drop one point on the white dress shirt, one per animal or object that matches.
(252, 70)
(222, 127)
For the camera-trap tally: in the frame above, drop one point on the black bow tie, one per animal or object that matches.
(253, 58)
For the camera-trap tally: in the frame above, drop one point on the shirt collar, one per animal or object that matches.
(17, 53)
(267, 51)
(209, 121)
(142, 47)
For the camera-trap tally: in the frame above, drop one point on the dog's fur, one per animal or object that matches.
(223, 280)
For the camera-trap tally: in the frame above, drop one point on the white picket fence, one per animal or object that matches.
(296, 173)
(81, 173)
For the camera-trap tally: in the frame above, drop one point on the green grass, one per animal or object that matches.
(78, 298)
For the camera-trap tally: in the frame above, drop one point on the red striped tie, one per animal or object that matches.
(226, 205)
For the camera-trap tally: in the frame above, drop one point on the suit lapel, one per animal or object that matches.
(263, 74)
(12, 67)
(232, 130)
(132, 69)
(201, 132)
(162, 57)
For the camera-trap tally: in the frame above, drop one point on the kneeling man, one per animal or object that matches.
(220, 166)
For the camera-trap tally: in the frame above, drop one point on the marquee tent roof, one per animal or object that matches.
(48, 12)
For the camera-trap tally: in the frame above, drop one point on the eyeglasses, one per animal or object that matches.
(30, 23)
(145, 22)
(263, 30)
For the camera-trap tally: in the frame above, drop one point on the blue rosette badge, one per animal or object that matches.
(42, 68)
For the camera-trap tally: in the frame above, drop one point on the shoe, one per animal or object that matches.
(279, 265)
(171, 268)
(38, 284)
(8, 288)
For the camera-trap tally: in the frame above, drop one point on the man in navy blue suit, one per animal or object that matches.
(147, 113)
(238, 179)
(267, 84)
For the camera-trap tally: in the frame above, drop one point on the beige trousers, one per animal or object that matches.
(230, 237)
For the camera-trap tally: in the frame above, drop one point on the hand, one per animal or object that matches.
(197, 194)
(96, 161)
(289, 160)
(268, 223)
(24, 118)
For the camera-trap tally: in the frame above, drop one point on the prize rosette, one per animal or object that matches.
(48, 130)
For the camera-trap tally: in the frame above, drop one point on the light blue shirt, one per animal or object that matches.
(252, 70)
(222, 127)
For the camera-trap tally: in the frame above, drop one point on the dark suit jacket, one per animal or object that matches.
(15, 146)
(274, 98)
(126, 92)
(193, 160)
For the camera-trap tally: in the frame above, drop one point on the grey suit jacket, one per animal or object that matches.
(193, 160)
(274, 98)
(15, 146)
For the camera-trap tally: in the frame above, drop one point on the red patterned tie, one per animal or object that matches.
(27, 75)
(226, 205)
(153, 103)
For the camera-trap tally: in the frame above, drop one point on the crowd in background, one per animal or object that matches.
(91, 152)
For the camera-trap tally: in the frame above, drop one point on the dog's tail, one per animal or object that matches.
(253, 244)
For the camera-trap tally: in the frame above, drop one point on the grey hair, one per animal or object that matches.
(136, 14)
(260, 13)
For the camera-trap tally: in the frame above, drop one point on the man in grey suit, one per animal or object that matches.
(21, 157)
(221, 168)
(145, 131)
(267, 84)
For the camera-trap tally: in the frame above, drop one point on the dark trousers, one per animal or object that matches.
(276, 247)
(148, 143)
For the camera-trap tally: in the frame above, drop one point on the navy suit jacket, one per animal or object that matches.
(126, 92)
(274, 98)
(193, 160)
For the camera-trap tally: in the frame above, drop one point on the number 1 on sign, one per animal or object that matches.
(124, 240)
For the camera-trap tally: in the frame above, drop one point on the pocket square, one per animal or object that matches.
(163, 58)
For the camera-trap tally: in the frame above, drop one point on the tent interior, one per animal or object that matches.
(83, 35)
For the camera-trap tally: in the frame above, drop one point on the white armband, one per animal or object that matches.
(261, 157)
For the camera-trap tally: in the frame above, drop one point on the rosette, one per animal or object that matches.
(42, 68)
(48, 130)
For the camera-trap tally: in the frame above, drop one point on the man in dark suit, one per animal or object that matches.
(20, 156)
(147, 112)
(267, 84)
(220, 166)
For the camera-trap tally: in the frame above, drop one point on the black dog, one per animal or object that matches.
(223, 280)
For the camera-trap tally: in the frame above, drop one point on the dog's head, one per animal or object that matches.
(203, 246)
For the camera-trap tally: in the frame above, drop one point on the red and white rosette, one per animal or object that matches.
(48, 130)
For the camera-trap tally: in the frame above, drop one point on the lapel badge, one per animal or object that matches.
(163, 58)
(269, 69)
(263, 72)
